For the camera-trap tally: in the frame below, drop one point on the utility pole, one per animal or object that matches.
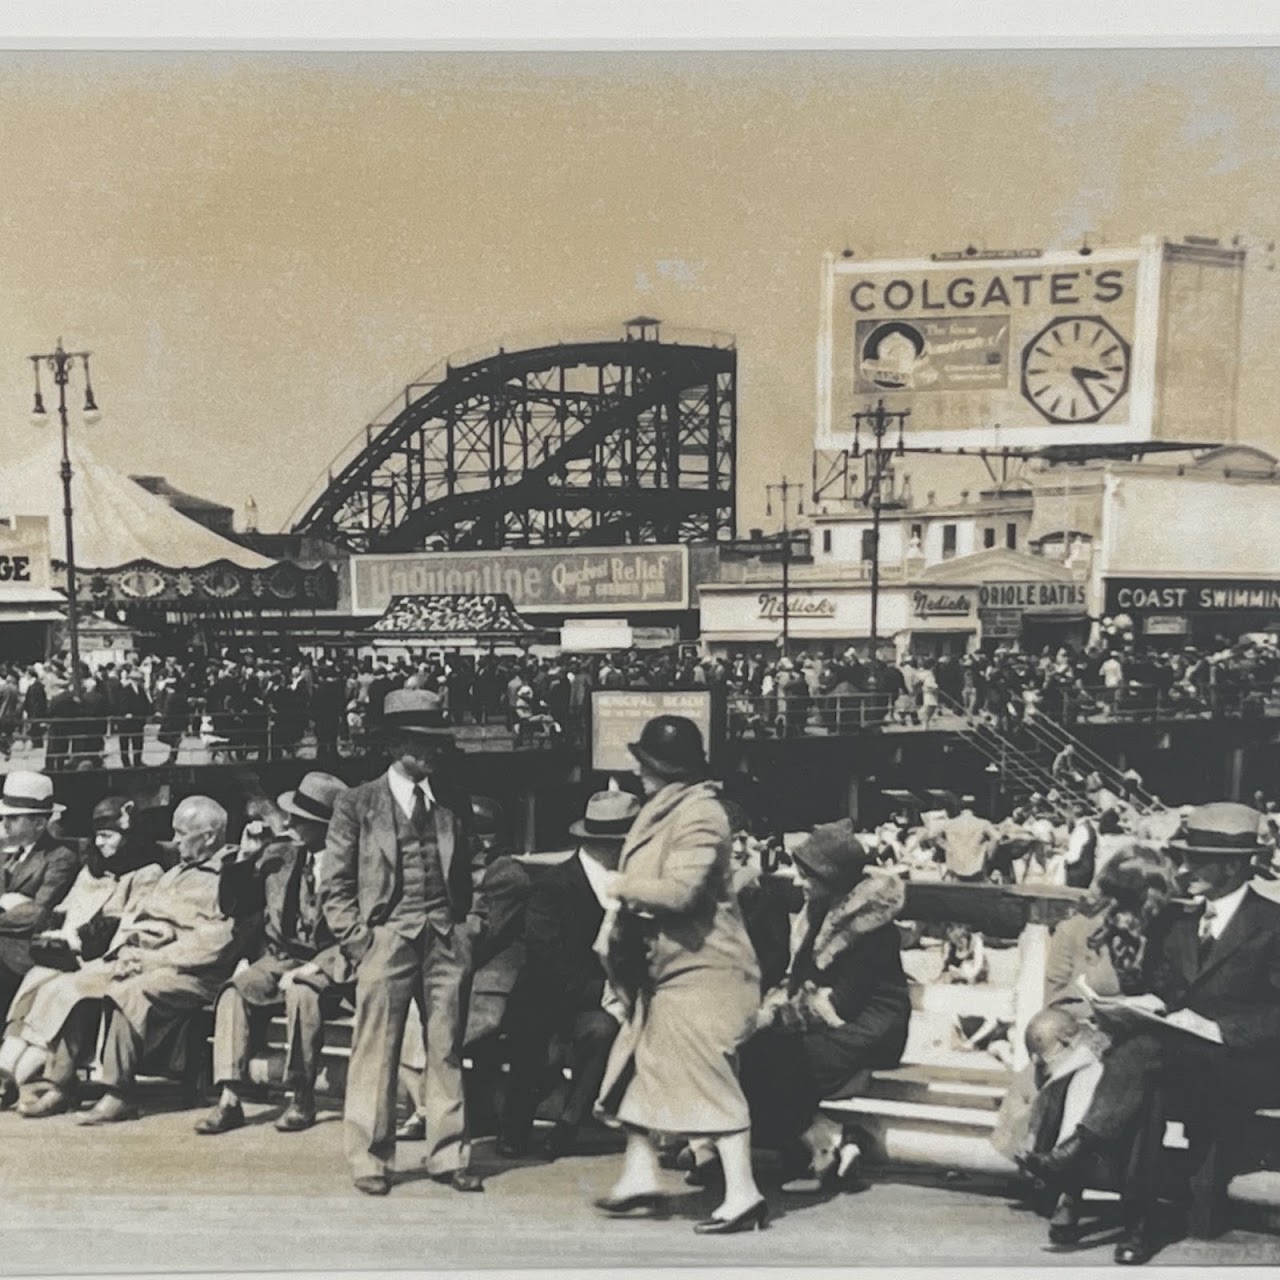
(784, 490)
(878, 421)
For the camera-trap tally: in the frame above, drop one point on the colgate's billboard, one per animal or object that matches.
(1059, 347)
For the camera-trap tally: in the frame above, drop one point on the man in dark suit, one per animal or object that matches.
(563, 992)
(277, 883)
(396, 891)
(36, 871)
(1213, 966)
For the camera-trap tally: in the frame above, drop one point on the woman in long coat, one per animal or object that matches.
(118, 867)
(695, 984)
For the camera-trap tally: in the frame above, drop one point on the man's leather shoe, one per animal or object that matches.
(1067, 1162)
(300, 1114)
(414, 1129)
(52, 1102)
(460, 1180)
(374, 1184)
(222, 1119)
(559, 1142)
(111, 1108)
(1064, 1225)
(1137, 1247)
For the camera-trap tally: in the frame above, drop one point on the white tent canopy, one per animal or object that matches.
(116, 521)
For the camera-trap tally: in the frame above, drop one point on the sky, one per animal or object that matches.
(262, 249)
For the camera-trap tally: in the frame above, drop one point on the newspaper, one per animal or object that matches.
(1140, 1013)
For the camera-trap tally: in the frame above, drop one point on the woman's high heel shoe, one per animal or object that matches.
(755, 1218)
(654, 1204)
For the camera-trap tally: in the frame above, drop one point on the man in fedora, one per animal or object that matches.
(563, 992)
(1213, 967)
(36, 871)
(396, 890)
(277, 881)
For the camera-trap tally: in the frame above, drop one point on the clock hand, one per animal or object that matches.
(1082, 376)
(1079, 372)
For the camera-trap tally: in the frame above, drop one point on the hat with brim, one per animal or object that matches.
(1225, 830)
(671, 748)
(314, 797)
(112, 814)
(609, 815)
(27, 794)
(833, 855)
(417, 713)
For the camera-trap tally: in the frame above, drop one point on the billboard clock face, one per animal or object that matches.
(1075, 369)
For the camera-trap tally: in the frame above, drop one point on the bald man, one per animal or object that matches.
(170, 956)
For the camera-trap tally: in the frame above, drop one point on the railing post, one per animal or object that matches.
(1028, 991)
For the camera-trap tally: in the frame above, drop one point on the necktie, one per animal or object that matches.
(419, 818)
(1206, 930)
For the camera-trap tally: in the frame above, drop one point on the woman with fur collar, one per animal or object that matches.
(843, 1008)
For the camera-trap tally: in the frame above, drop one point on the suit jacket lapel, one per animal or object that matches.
(382, 821)
(1233, 936)
(580, 885)
(26, 877)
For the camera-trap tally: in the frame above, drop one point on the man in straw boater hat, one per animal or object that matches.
(277, 881)
(563, 991)
(396, 890)
(36, 871)
(1209, 1031)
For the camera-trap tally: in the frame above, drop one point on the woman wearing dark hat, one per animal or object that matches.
(118, 866)
(672, 1067)
(843, 1009)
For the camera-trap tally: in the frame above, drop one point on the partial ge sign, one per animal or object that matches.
(15, 568)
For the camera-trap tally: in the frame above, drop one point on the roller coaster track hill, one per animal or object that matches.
(601, 441)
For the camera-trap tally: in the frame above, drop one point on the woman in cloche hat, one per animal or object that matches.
(843, 1010)
(671, 1069)
(120, 864)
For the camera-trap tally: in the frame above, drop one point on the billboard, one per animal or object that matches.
(618, 716)
(25, 557)
(559, 580)
(1030, 350)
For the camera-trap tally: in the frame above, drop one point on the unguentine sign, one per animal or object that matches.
(538, 580)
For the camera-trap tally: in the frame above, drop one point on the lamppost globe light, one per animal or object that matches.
(39, 418)
(92, 417)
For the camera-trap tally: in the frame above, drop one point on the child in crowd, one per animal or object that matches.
(964, 956)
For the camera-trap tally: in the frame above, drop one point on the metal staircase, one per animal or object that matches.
(1024, 759)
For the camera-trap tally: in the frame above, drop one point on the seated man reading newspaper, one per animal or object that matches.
(1207, 1029)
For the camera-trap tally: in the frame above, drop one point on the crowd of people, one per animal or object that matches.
(708, 986)
(247, 705)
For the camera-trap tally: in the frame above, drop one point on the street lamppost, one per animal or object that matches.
(877, 421)
(60, 364)
(784, 490)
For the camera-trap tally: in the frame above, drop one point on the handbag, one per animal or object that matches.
(53, 951)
